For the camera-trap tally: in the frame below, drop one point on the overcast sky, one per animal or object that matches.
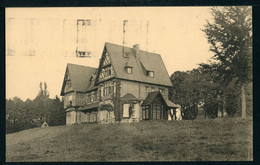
(173, 32)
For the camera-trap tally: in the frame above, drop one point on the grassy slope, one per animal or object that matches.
(218, 139)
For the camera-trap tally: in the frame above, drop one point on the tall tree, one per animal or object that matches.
(42, 102)
(230, 36)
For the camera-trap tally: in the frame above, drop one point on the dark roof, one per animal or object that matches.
(151, 96)
(70, 109)
(128, 97)
(89, 106)
(92, 85)
(171, 104)
(145, 61)
(80, 76)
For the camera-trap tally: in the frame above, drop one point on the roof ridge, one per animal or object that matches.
(81, 65)
(132, 48)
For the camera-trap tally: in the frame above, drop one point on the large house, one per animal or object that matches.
(128, 86)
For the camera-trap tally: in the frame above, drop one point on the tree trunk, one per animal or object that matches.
(243, 101)
(223, 107)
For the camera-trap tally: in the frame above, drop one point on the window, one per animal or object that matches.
(150, 73)
(107, 60)
(88, 117)
(92, 97)
(147, 89)
(136, 110)
(114, 85)
(68, 117)
(95, 96)
(70, 100)
(129, 70)
(73, 116)
(101, 91)
(88, 99)
(70, 97)
(145, 113)
(68, 84)
(106, 72)
(92, 79)
(126, 54)
(126, 110)
(154, 112)
(162, 90)
(108, 89)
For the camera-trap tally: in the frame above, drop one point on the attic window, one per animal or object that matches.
(126, 54)
(93, 78)
(147, 89)
(129, 70)
(162, 91)
(150, 73)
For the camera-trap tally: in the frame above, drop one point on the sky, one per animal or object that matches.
(173, 32)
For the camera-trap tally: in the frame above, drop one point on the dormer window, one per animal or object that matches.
(92, 78)
(162, 90)
(129, 70)
(150, 73)
(147, 89)
(126, 55)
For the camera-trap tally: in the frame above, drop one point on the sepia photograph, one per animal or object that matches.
(128, 84)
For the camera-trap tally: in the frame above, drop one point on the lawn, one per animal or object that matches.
(197, 140)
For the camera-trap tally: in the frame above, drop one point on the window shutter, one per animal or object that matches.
(126, 110)
(114, 87)
(70, 97)
(136, 110)
(102, 88)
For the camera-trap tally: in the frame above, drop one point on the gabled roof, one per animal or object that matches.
(171, 104)
(80, 77)
(150, 61)
(128, 97)
(152, 95)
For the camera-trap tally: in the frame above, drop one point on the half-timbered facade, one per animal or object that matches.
(129, 85)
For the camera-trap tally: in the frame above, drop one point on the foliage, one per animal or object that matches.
(230, 36)
(201, 88)
(32, 113)
(191, 89)
(218, 86)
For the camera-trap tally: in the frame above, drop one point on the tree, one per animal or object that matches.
(32, 113)
(56, 113)
(42, 102)
(230, 36)
(187, 91)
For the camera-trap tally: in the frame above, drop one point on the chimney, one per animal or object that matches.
(136, 49)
